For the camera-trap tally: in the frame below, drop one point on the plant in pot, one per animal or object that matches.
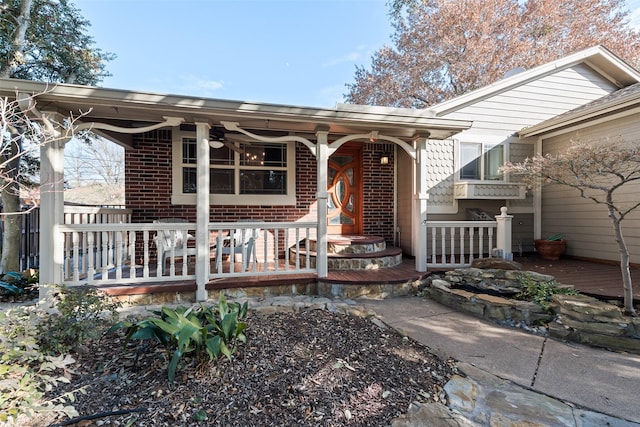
(552, 247)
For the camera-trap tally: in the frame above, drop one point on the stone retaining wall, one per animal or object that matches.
(501, 309)
(589, 321)
(576, 318)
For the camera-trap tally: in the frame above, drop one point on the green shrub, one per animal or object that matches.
(15, 284)
(200, 330)
(541, 292)
(83, 313)
(25, 373)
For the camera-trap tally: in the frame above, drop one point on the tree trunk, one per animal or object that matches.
(624, 265)
(11, 211)
(19, 38)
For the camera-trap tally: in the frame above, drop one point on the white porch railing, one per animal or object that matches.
(261, 248)
(455, 244)
(122, 253)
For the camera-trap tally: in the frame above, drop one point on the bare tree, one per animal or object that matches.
(95, 171)
(20, 124)
(597, 170)
(444, 48)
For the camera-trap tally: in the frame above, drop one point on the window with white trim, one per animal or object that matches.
(239, 173)
(480, 161)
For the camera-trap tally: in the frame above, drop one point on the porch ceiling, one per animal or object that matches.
(131, 109)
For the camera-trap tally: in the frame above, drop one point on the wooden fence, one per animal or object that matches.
(29, 251)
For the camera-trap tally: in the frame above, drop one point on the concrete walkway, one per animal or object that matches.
(598, 380)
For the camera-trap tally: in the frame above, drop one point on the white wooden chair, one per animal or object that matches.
(239, 241)
(178, 239)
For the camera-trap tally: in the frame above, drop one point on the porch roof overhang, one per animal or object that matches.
(137, 109)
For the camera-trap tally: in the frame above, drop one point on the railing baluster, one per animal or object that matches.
(276, 251)
(67, 250)
(297, 259)
(118, 253)
(286, 248)
(185, 257)
(433, 245)
(490, 242)
(265, 246)
(132, 254)
(172, 258)
(443, 248)
(76, 253)
(307, 243)
(84, 253)
(91, 272)
(105, 255)
(218, 260)
(145, 254)
(452, 230)
(111, 244)
(471, 235)
(462, 235)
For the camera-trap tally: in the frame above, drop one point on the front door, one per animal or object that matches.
(345, 191)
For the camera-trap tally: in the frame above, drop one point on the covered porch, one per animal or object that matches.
(191, 167)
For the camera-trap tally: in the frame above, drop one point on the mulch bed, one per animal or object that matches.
(307, 368)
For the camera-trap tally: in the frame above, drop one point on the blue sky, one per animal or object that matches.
(295, 52)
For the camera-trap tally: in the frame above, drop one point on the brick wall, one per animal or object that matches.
(378, 200)
(148, 181)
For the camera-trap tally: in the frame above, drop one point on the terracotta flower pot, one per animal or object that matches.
(550, 249)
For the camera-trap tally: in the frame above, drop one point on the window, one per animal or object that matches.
(244, 173)
(481, 161)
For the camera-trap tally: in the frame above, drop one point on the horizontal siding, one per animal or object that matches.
(535, 101)
(586, 225)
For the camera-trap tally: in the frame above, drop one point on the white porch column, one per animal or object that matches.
(322, 162)
(51, 208)
(420, 199)
(503, 234)
(202, 210)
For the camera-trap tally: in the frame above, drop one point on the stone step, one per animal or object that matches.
(351, 244)
(388, 257)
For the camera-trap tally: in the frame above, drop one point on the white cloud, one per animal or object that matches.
(348, 57)
(359, 53)
(199, 86)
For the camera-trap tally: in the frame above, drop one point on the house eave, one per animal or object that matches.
(116, 105)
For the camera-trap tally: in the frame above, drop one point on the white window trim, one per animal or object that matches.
(458, 156)
(180, 198)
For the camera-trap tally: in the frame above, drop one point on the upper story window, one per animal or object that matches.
(481, 161)
(245, 173)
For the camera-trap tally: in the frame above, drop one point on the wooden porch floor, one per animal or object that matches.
(591, 278)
